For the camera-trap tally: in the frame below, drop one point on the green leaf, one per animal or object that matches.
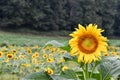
(58, 77)
(115, 64)
(38, 76)
(92, 79)
(96, 76)
(115, 71)
(68, 57)
(7, 76)
(80, 75)
(105, 69)
(69, 74)
(66, 75)
(54, 43)
(72, 65)
(67, 48)
(110, 67)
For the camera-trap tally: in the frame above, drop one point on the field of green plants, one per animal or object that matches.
(30, 57)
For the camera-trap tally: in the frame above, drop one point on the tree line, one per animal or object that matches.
(56, 15)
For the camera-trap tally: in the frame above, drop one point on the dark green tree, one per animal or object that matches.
(117, 20)
(49, 15)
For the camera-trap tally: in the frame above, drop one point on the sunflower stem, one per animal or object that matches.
(92, 71)
(84, 75)
(86, 71)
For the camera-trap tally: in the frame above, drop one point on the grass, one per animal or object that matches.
(21, 39)
(29, 39)
(115, 42)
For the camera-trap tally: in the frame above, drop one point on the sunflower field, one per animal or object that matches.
(87, 56)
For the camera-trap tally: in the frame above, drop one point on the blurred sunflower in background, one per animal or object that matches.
(9, 56)
(88, 43)
(1, 54)
(64, 68)
(49, 71)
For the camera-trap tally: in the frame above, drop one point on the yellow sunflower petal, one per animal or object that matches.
(80, 58)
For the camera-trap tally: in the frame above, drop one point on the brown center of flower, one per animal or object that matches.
(87, 44)
(9, 56)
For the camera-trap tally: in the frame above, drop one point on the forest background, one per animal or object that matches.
(59, 15)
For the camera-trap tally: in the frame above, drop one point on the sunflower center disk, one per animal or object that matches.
(88, 44)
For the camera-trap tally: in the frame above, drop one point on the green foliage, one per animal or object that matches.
(45, 15)
(22, 40)
(54, 43)
(66, 75)
(67, 48)
(38, 76)
(9, 77)
(110, 68)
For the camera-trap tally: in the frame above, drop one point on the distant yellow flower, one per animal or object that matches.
(22, 56)
(9, 56)
(50, 60)
(26, 65)
(60, 61)
(88, 43)
(114, 53)
(54, 49)
(6, 60)
(105, 54)
(63, 52)
(36, 54)
(49, 71)
(45, 55)
(16, 58)
(64, 68)
(36, 46)
(14, 51)
(34, 61)
(29, 50)
(38, 61)
(33, 56)
(50, 55)
(1, 54)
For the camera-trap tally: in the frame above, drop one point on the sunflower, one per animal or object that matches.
(34, 61)
(45, 55)
(50, 60)
(61, 61)
(50, 55)
(36, 54)
(88, 43)
(1, 54)
(64, 68)
(14, 51)
(49, 71)
(9, 56)
(26, 65)
(29, 51)
(22, 56)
